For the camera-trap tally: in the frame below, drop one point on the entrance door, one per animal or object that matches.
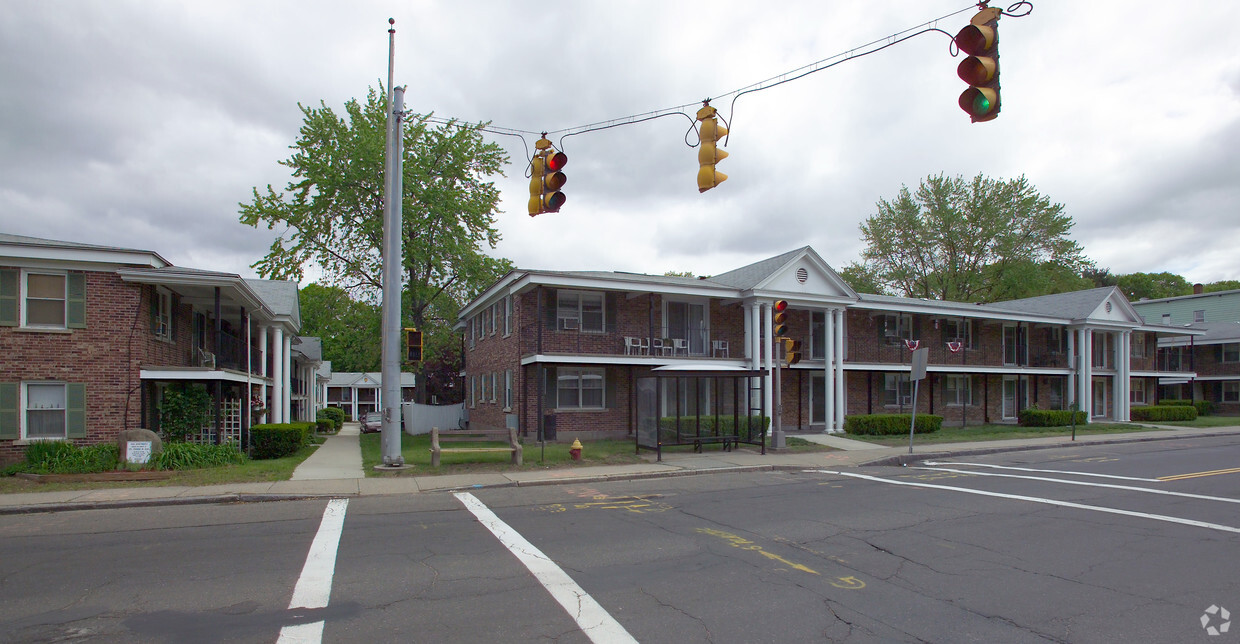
(817, 399)
(1014, 397)
(1100, 398)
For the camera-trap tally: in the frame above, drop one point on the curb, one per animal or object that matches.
(71, 506)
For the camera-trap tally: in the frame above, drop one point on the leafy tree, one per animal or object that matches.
(332, 210)
(350, 329)
(964, 240)
(861, 279)
(1100, 277)
(1223, 285)
(1029, 279)
(1152, 285)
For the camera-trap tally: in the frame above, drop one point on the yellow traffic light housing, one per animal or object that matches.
(709, 153)
(546, 178)
(781, 318)
(980, 39)
(413, 345)
(792, 351)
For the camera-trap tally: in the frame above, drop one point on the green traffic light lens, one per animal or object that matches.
(981, 104)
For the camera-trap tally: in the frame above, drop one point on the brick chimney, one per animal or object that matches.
(1198, 289)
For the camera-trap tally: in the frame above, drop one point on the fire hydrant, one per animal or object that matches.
(575, 450)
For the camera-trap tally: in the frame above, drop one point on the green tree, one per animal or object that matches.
(350, 329)
(861, 279)
(332, 209)
(964, 240)
(1152, 285)
(1024, 279)
(1222, 285)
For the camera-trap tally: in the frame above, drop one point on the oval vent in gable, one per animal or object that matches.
(802, 275)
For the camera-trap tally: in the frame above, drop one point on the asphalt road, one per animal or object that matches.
(1128, 543)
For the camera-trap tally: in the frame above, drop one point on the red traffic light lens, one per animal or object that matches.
(557, 161)
(976, 39)
(781, 306)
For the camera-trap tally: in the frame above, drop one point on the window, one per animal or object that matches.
(1166, 318)
(1056, 393)
(1199, 316)
(45, 300)
(957, 390)
(473, 390)
(494, 385)
(162, 318)
(508, 315)
(818, 335)
(495, 314)
(508, 389)
(1136, 393)
(959, 331)
(579, 388)
(1138, 345)
(45, 410)
(1231, 391)
(895, 329)
(897, 390)
(578, 310)
(1229, 352)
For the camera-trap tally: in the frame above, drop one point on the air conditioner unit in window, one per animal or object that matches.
(906, 400)
(161, 329)
(569, 324)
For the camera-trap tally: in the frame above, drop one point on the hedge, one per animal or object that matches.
(276, 440)
(1164, 412)
(336, 414)
(1204, 407)
(1050, 417)
(891, 424)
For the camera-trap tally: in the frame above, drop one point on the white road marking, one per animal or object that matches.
(314, 587)
(1085, 483)
(1030, 469)
(594, 621)
(1034, 499)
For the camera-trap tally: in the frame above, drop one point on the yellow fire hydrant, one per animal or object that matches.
(575, 450)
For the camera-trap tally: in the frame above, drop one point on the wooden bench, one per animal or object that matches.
(475, 436)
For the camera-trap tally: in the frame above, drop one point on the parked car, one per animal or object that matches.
(372, 422)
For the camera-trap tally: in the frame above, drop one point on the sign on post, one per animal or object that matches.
(920, 356)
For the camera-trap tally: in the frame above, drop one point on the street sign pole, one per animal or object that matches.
(916, 375)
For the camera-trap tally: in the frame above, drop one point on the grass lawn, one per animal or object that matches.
(278, 469)
(1205, 421)
(417, 452)
(997, 432)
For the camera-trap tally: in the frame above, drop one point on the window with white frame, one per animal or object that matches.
(1199, 316)
(508, 389)
(579, 310)
(495, 315)
(1231, 391)
(494, 386)
(1229, 352)
(896, 328)
(473, 391)
(1136, 392)
(957, 390)
(1138, 346)
(579, 388)
(1056, 393)
(818, 335)
(45, 410)
(163, 314)
(508, 315)
(959, 331)
(45, 300)
(897, 390)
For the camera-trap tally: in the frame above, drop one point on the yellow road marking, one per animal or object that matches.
(1194, 475)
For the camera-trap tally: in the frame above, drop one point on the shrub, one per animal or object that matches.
(1164, 412)
(1050, 417)
(63, 457)
(186, 456)
(891, 424)
(1204, 407)
(184, 409)
(276, 440)
(325, 426)
(336, 414)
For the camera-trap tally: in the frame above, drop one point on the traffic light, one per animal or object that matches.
(546, 178)
(792, 351)
(709, 153)
(781, 318)
(413, 345)
(980, 39)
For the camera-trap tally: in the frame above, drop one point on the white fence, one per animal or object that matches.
(419, 419)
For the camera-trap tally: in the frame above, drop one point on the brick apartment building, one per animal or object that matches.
(572, 349)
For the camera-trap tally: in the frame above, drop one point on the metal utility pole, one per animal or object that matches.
(392, 264)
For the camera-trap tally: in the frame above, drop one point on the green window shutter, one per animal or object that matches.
(76, 304)
(8, 296)
(8, 411)
(75, 410)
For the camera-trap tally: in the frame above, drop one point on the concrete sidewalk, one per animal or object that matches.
(335, 471)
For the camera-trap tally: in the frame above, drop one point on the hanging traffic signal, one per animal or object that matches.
(709, 153)
(792, 351)
(546, 178)
(781, 318)
(413, 345)
(980, 39)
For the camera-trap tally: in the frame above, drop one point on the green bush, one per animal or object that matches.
(336, 415)
(1164, 412)
(1050, 417)
(891, 424)
(183, 410)
(63, 457)
(325, 426)
(1204, 407)
(276, 440)
(186, 456)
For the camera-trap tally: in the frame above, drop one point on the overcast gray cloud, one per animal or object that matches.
(143, 124)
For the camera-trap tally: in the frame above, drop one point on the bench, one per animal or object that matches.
(460, 436)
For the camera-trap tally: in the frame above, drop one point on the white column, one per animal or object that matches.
(748, 348)
(287, 386)
(1125, 376)
(1087, 372)
(1071, 391)
(262, 368)
(768, 337)
(828, 378)
(755, 337)
(277, 375)
(841, 397)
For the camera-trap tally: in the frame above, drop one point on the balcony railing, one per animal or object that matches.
(670, 343)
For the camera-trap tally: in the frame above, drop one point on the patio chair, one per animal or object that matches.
(717, 347)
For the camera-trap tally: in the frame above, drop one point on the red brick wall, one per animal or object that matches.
(107, 355)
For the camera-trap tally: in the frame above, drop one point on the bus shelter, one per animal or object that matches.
(680, 406)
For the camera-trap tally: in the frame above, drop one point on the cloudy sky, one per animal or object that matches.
(143, 124)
